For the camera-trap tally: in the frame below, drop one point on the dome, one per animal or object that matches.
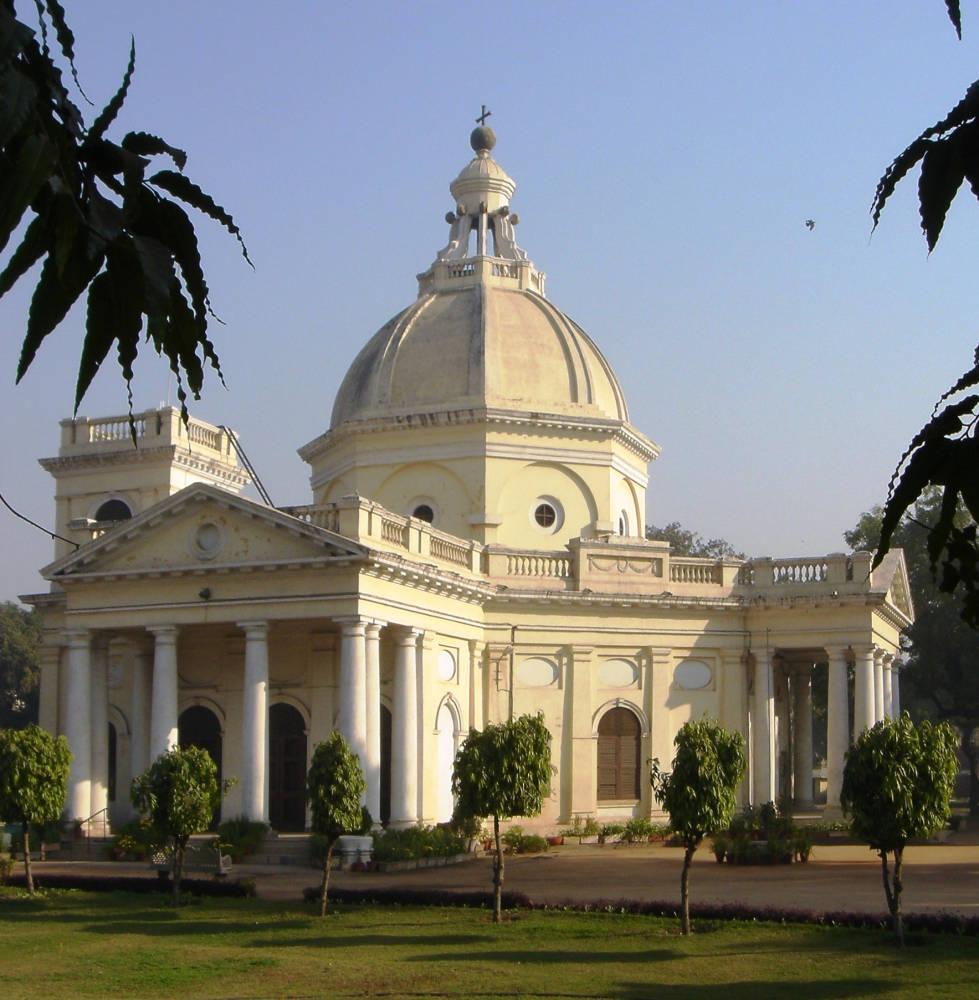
(481, 334)
(480, 346)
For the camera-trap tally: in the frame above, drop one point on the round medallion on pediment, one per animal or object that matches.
(207, 540)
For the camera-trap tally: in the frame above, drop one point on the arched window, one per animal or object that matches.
(113, 510)
(619, 755)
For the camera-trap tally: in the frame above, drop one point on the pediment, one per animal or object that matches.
(204, 528)
(892, 574)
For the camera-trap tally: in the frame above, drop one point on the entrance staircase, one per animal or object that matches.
(282, 849)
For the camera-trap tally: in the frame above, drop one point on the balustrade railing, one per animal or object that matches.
(538, 564)
(795, 571)
(695, 571)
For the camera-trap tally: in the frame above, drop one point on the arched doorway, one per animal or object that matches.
(619, 755)
(447, 737)
(385, 764)
(199, 727)
(287, 768)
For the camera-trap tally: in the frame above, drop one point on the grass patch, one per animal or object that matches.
(74, 943)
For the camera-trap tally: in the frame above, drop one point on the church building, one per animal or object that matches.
(473, 550)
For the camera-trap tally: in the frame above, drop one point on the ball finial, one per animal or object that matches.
(482, 137)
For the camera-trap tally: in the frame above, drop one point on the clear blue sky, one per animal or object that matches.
(666, 156)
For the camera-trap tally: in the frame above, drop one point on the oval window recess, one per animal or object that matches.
(537, 672)
(207, 541)
(617, 673)
(446, 665)
(692, 675)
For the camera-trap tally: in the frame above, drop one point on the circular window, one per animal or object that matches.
(424, 513)
(446, 665)
(207, 541)
(546, 515)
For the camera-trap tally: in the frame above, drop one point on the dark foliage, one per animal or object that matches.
(945, 452)
(96, 216)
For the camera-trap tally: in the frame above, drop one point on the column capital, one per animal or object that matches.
(839, 653)
(373, 627)
(76, 637)
(352, 624)
(163, 633)
(407, 635)
(254, 629)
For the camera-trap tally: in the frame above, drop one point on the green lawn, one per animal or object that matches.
(79, 944)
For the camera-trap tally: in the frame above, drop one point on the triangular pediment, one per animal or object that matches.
(892, 576)
(204, 528)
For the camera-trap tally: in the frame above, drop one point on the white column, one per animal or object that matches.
(863, 694)
(99, 675)
(404, 731)
(837, 724)
(802, 735)
(372, 763)
(888, 661)
(78, 719)
(254, 723)
(49, 692)
(896, 690)
(352, 718)
(140, 709)
(163, 698)
(762, 729)
(878, 684)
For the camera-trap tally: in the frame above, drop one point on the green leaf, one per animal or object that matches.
(145, 144)
(21, 178)
(955, 16)
(18, 97)
(109, 112)
(942, 173)
(30, 251)
(184, 189)
(54, 296)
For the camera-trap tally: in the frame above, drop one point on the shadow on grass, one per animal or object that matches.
(812, 989)
(554, 956)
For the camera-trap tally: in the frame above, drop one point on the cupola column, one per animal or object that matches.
(352, 719)
(837, 725)
(372, 764)
(163, 700)
(863, 689)
(762, 728)
(254, 723)
(78, 699)
(404, 731)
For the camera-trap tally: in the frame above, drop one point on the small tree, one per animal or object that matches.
(179, 793)
(334, 786)
(33, 781)
(699, 793)
(897, 784)
(503, 771)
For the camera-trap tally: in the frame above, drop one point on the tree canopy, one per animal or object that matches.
(97, 215)
(699, 792)
(179, 793)
(20, 640)
(503, 771)
(897, 785)
(33, 781)
(688, 543)
(940, 665)
(945, 452)
(334, 785)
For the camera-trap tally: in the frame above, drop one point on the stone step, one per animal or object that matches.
(282, 849)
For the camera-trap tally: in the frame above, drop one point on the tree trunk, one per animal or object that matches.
(892, 891)
(178, 870)
(497, 874)
(324, 885)
(27, 858)
(685, 888)
(970, 754)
